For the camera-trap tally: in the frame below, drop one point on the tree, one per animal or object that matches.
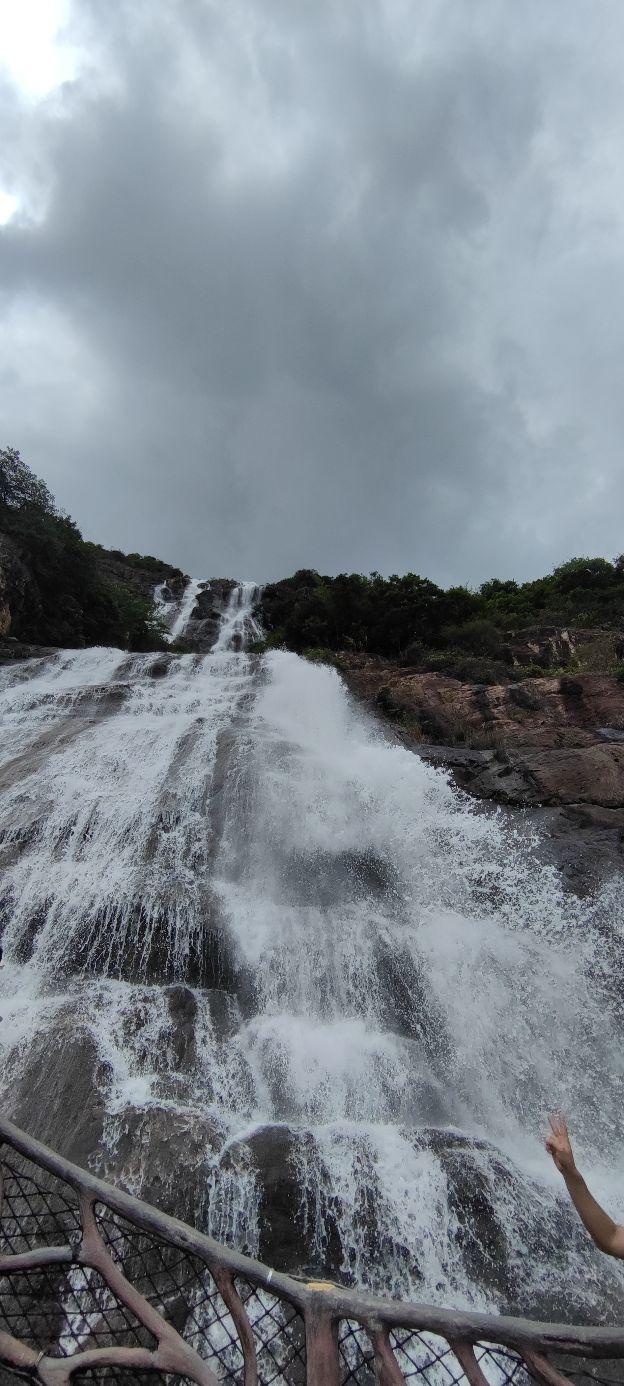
(592, 573)
(20, 487)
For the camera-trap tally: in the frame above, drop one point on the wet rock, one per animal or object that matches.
(225, 1019)
(541, 742)
(163, 1155)
(528, 776)
(203, 628)
(160, 668)
(587, 856)
(324, 878)
(147, 950)
(494, 1212)
(183, 1011)
(594, 816)
(583, 840)
(406, 1007)
(19, 650)
(481, 1240)
(58, 1096)
(225, 1013)
(274, 1154)
(589, 774)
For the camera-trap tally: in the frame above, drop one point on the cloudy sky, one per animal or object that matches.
(329, 283)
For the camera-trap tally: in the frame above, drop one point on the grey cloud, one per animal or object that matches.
(322, 285)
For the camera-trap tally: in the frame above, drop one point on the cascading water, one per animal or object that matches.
(176, 615)
(239, 626)
(274, 971)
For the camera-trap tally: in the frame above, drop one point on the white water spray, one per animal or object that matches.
(239, 626)
(280, 933)
(186, 608)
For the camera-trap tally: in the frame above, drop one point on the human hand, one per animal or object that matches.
(558, 1144)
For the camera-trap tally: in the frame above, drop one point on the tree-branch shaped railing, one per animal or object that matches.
(95, 1284)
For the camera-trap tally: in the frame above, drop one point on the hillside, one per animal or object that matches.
(56, 589)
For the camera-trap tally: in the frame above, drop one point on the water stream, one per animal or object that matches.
(274, 971)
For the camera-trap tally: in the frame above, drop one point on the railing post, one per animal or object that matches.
(322, 1367)
(387, 1369)
(543, 1371)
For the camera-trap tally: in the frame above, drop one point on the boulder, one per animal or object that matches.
(164, 1155)
(273, 1154)
(57, 1096)
(575, 775)
(527, 776)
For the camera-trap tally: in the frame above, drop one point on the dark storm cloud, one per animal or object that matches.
(329, 285)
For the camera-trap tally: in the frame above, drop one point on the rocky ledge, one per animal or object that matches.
(10, 649)
(554, 744)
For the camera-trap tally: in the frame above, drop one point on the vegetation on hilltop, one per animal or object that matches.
(454, 630)
(74, 593)
(63, 598)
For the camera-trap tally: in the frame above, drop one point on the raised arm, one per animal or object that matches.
(607, 1234)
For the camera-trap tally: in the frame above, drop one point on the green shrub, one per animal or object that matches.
(457, 664)
(318, 655)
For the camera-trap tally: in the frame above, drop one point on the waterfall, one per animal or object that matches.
(238, 626)
(275, 972)
(177, 615)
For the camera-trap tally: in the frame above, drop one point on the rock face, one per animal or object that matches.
(19, 649)
(57, 1097)
(553, 647)
(540, 741)
(273, 1154)
(152, 1145)
(203, 627)
(552, 745)
(113, 567)
(553, 712)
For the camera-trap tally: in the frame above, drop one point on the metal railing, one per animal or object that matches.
(97, 1285)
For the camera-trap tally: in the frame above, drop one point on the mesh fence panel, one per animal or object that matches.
(501, 1365)
(279, 1334)
(37, 1209)
(180, 1286)
(60, 1310)
(425, 1358)
(356, 1354)
(58, 1307)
